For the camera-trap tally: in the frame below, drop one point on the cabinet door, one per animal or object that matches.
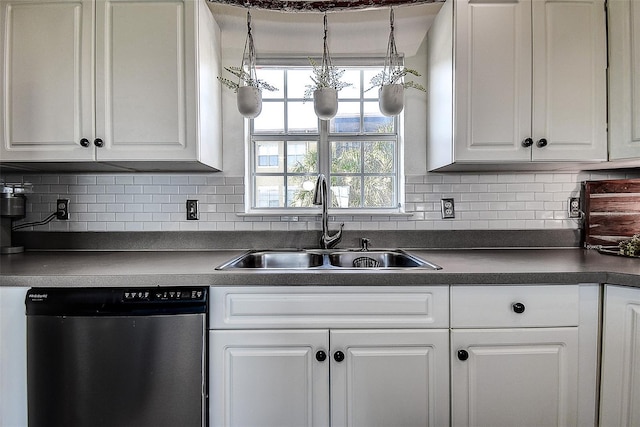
(624, 79)
(493, 80)
(390, 378)
(46, 90)
(145, 63)
(620, 382)
(569, 80)
(268, 378)
(523, 377)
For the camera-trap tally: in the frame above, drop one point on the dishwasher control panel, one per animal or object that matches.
(107, 301)
(172, 294)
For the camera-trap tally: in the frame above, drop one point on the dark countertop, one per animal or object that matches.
(470, 266)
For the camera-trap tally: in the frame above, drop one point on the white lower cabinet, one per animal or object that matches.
(405, 356)
(524, 355)
(352, 372)
(620, 381)
(269, 378)
(389, 377)
(514, 377)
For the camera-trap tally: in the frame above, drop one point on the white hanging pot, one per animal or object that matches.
(249, 100)
(325, 103)
(391, 99)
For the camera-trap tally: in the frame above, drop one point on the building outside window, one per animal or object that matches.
(358, 150)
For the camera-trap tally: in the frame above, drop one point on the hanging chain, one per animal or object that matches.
(249, 54)
(392, 59)
(326, 57)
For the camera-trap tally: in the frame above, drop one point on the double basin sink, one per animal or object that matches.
(308, 259)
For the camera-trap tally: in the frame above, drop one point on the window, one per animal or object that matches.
(358, 150)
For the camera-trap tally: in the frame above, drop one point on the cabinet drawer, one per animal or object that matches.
(514, 306)
(260, 307)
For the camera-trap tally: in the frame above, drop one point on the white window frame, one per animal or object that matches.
(324, 147)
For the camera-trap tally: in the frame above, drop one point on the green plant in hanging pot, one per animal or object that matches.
(390, 81)
(327, 81)
(248, 87)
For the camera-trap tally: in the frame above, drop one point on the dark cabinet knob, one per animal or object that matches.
(463, 355)
(338, 356)
(542, 142)
(527, 142)
(518, 307)
(98, 143)
(321, 356)
(84, 142)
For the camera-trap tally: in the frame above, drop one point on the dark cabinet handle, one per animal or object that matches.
(527, 142)
(463, 355)
(321, 356)
(338, 356)
(98, 143)
(84, 142)
(518, 307)
(542, 142)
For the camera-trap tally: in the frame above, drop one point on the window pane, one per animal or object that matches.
(300, 191)
(378, 192)
(345, 191)
(275, 78)
(269, 156)
(350, 76)
(271, 119)
(347, 120)
(379, 157)
(371, 92)
(302, 156)
(345, 157)
(269, 192)
(297, 79)
(301, 117)
(375, 121)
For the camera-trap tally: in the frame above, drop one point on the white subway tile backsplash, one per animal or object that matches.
(153, 202)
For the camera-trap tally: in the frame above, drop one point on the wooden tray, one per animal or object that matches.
(611, 211)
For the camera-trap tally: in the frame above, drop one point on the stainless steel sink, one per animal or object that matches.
(328, 259)
(392, 258)
(275, 259)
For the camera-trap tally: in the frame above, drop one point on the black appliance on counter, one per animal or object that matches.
(116, 356)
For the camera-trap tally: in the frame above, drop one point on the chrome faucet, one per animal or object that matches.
(321, 197)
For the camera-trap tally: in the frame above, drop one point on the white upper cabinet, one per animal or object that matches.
(47, 100)
(131, 84)
(517, 82)
(624, 79)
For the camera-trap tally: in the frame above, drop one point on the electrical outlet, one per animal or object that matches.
(62, 209)
(192, 210)
(574, 207)
(448, 209)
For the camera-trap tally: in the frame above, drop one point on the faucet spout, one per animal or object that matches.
(321, 197)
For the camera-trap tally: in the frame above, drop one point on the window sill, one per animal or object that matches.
(332, 213)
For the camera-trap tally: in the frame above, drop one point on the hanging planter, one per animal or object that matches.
(249, 101)
(325, 103)
(327, 82)
(390, 79)
(248, 88)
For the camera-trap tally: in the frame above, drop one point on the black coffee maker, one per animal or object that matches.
(12, 208)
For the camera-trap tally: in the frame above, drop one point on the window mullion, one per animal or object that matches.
(324, 150)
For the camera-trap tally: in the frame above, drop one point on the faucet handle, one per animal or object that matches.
(364, 244)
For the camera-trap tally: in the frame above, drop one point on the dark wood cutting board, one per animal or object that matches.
(612, 211)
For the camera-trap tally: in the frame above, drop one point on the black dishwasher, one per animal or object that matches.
(116, 357)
